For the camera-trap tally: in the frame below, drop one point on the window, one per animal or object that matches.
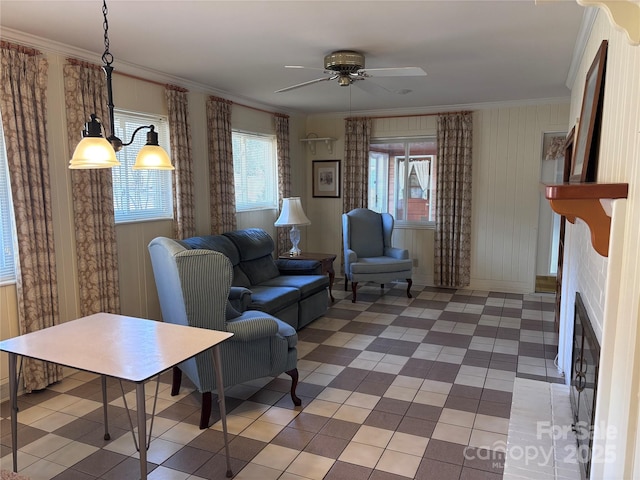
(255, 171)
(140, 195)
(7, 226)
(404, 189)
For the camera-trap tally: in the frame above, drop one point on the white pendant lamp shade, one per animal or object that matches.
(93, 152)
(153, 157)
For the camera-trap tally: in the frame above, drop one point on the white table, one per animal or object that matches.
(121, 347)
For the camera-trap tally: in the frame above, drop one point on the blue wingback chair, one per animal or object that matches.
(368, 254)
(193, 288)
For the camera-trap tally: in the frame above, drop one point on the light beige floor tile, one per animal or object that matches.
(501, 374)
(45, 445)
(474, 371)
(32, 414)
(335, 395)
(353, 414)
(407, 382)
(407, 443)
(160, 450)
(322, 408)
(249, 409)
(457, 417)
(329, 369)
(73, 452)
(65, 385)
(447, 358)
(501, 385)
(319, 378)
(183, 432)
(435, 386)
(81, 408)
(491, 423)
(311, 466)
(362, 400)
(291, 476)
(401, 393)
(263, 431)
(279, 416)
(276, 457)
(235, 425)
(373, 356)
(361, 454)
(327, 323)
(395, 359)
(488, 440)
(164, 473)
(123, 445)
(452, 433)
(53, 422)
(399, 463)
(338, 339)
(253, 471)
(469, 380)
(378, 437)
(42, 470)
(363, 364)
(387, 368)
(430, 398)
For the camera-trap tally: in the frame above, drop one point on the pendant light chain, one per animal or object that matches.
(107, 58)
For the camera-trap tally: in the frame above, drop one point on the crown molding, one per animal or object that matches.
(588, 19)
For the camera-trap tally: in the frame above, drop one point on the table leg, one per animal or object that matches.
(103, 381)
(13, 393)
(217, 365)
(142, 427)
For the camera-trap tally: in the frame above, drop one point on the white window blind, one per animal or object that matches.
(7, 235)
(255, 171)
(140, 195)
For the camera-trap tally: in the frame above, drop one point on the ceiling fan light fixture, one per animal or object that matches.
(344, 80)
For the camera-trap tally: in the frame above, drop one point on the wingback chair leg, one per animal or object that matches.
(409, 283)
(354, 289)
(346, 283)
(294, 384)
(177, 380)
(205, 414)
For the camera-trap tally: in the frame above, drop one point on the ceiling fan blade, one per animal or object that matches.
(317, 80)
(302, 67)
(375, 88)
(393, 72)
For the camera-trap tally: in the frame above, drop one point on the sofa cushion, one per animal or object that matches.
(272, 299)
(307, 284)
(252, 243)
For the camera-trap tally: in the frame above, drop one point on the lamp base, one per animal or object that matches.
(294, 235)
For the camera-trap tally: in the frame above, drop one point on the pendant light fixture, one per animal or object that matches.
(94, 151)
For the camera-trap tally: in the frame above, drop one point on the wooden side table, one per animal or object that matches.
(325, 259)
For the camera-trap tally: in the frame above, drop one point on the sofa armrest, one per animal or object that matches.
(399, 253)
(246, 330)
(240, 298)
(298, 267)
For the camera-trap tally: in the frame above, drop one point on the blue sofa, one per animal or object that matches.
(294, 291)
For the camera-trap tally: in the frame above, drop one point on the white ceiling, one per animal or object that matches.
(473, 51)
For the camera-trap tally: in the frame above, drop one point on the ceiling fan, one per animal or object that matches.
(347, 67)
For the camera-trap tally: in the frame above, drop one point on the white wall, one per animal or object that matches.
(507, 146)
(610, 286)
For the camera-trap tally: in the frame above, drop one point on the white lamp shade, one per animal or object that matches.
(93, 152)
(153, 157)
(292, 213)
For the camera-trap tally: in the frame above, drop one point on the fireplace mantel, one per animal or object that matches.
(584, 201)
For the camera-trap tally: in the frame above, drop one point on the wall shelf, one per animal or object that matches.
(584, 201)
(623, 14)
(328, 141)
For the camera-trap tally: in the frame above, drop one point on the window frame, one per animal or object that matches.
(245, 206)
(163, 178)
(8, 274)
(392, 160)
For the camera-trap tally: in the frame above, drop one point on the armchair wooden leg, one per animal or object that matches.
(294, 383)
(177, 380)
(409, 283)
(346, 283)
(354, 288)
(205, 414)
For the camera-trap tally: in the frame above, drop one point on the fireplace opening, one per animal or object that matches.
(584, 383)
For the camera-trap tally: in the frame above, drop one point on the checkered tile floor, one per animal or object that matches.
(392, 388)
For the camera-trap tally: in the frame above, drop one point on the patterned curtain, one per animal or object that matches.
(453, 200)
(23, 106)
(284, 175)
(184, 225)
(356, 163)
(85, 93)
(222, 185)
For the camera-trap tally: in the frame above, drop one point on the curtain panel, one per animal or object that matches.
(93, 210)
(184, 224)
(222, 184)
(452, 252)
(23, 101)
(356, 163)
(284, 175)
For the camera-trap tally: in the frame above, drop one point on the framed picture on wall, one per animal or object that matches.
(585, 153)
(326, 178)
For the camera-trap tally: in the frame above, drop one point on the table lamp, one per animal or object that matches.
(292, 215)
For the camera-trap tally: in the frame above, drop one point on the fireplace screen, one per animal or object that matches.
(584, 381)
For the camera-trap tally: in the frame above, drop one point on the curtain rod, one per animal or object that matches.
(20, 48)
(413, 115)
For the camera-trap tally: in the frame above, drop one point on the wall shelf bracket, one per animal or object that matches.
(583, 200)
(623, 14)
(311, 141)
